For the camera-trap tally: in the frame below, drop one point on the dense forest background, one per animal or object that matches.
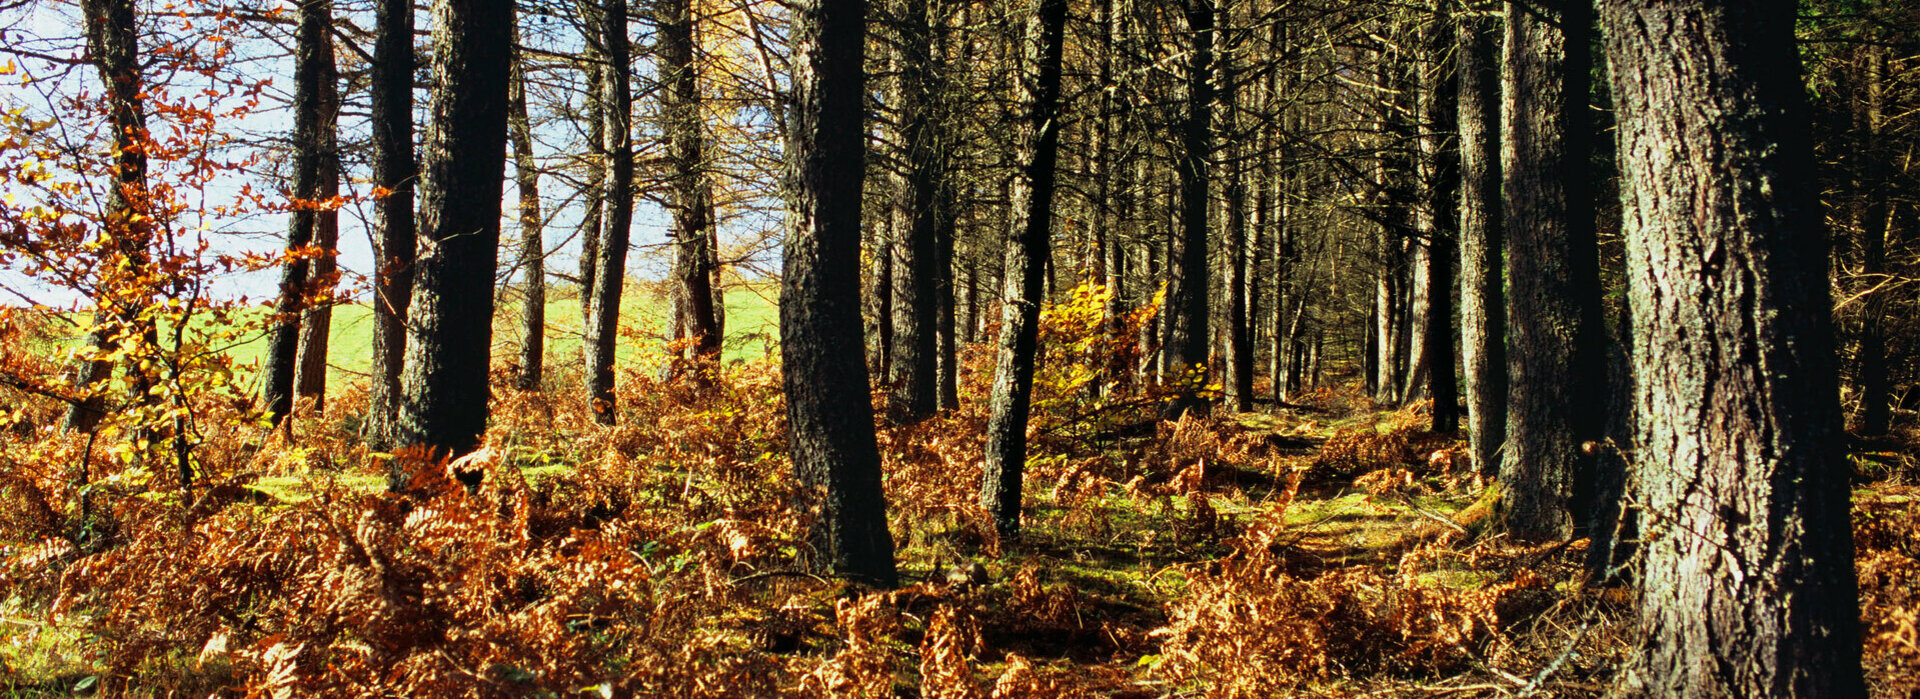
(959, 349)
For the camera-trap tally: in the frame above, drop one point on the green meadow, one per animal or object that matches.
(752, 329)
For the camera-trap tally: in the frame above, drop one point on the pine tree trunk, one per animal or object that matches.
(1556, 391)
(592, 224)
(1483, 316)
(312, 53)
(450, 322)
(1028, 248)
(830, 420)
(113, 44)
(533, 242)
(913, 391)
(1438, 217)
(1748, 587)
(610, 267)
(394, 169)
(692, 193)
(1872, 383)
(316, 325)
(1189, 337)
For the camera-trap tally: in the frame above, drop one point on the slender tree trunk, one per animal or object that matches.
(1749, 587)
(692, 191)
(880, 290)
(394, 169)
(949, 378)
(1027, 250)
(913, 391)
(316, 325)
(610, 268)
(1440, 183)
(1188, 342)
(312, 52)
(113, 45)
(1872, 383)
(533, 242)
(1483, 316)
(593, 224)
(450, 326)
(829, 417)
(1239, 330)
(1556, 394)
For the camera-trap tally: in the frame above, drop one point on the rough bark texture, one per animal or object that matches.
(1028, 247)
(114, 48)
(1188, 339)
(1556, 362)
(312, 54)
(1872, 382)
(1438, 218)
(394, 169)
(1239, 330)
(829, 418)
(1749, 585)
(691, 192)
(913, 392)
(450, 321)
(1483, 315)
(596, 187)
(316, 325)
(610, 266)
(533, 243)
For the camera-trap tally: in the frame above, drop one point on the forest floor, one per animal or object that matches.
(1320, 548)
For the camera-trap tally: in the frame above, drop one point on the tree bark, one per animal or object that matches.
(316, 325)
(829, 417)
(1438, 217)
(913, 389)
(610, 267)
(312, 53)
(691, 200)
(394, 169)
(114, 49)
(1556, 390)
(1749, 583)
(1189, 338)
(1871, 377)
(591, 224)
(450, 323)
(1483, 316)
(533, 242)
(1028, 247)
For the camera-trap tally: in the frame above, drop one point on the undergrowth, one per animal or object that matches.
(1320, 550)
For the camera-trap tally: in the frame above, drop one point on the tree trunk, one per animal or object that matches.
(1483, 316)
(450, 323)
(1027, 250)
(316, 327)
(829, 417)
(113, 44)
(312, 53)
(1556, 394)
(1188, 341)
(1440, 183)
(1872, 383)
(692, 193)
(610, 267)
(913, 391)
(592, 224)
(394, 169)
(533, 242)
(949, 378)
(1749, 584)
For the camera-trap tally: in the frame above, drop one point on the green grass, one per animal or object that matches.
(753, 328)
